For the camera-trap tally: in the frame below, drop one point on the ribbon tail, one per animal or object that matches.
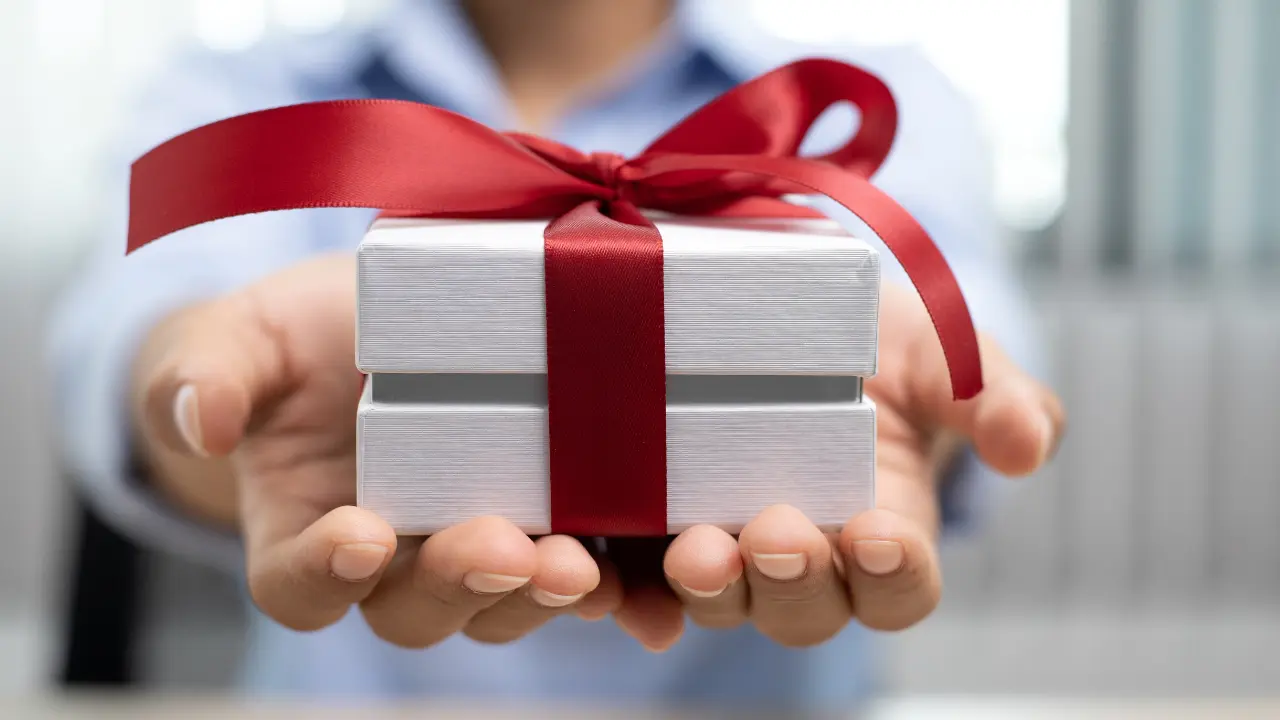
(905, 238)
(400, 157)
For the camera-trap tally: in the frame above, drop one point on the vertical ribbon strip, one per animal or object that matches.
(606, 373)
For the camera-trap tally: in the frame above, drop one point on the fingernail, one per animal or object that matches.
(490, 583)
(356, 561)
(837, 559)
(703, 593)
(550, 599)
(878, 557)
(780, 567)
(708, 593)
(186, 415)
(1046, 438)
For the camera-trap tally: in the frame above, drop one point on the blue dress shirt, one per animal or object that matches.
(423, 50)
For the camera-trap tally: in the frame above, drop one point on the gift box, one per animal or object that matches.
(587, 343)
(770, 329)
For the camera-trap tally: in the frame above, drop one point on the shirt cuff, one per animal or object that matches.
(98, 430)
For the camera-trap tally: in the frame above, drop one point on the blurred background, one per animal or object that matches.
(1139, 177)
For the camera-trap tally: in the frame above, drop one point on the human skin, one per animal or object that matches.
(245, 410)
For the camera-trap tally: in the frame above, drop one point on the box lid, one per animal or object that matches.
(754, 297)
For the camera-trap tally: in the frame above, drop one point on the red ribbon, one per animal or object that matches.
(734, 157)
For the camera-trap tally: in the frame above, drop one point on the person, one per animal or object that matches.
(207, 393)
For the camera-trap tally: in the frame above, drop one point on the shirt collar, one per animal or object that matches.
(431, 47)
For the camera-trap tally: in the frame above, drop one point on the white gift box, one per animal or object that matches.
(771, 326)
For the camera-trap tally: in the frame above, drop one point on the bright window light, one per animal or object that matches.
(1008, 56)
(69, 29)
(230, 25)
(309, 16)
(794, 20)
(834, 22)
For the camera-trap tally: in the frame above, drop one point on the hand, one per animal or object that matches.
(246, 408)
(799, 586)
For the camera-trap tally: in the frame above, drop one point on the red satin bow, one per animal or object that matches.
(734, 157)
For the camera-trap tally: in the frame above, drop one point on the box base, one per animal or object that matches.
(426, 466)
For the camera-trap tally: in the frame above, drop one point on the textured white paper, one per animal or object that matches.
(741, 297)
(769, 325)
(426, 466)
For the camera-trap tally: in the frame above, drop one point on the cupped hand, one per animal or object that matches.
(245, 406)
(799, 586)
(257, 390)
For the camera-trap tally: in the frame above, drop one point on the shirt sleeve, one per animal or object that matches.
(940, 171)
(112, 304)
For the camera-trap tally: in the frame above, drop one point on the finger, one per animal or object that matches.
(892, 568)
(311, 580)
(704, 568)
(1015, 423)
(797, 598)
(650, 612)
(607, 597)
(566, 573)
(428, 596)
(652, 615)
(213, 363)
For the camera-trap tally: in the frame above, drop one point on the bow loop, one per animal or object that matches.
(772, 114)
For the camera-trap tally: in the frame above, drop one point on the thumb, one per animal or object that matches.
(1015, 423)
(211, 365)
